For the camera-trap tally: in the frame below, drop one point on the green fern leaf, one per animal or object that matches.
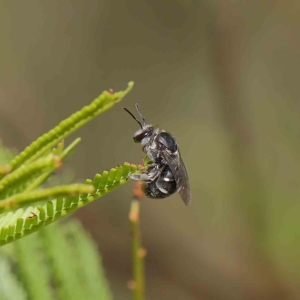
(76, 276)
(44, 143)
(59, 152)
(32, 269)
(18, 180)
(32, 175)
(22, 199)
(59, 262)
(87, 259)
(24, 221)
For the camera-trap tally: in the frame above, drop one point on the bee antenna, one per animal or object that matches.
(133, 116)
(140, 113)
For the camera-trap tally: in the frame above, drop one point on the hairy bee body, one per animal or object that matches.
(162, 187)
(166, 173)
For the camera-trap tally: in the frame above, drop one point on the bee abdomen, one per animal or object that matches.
(162, 187)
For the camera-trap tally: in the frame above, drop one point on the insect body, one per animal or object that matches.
(166, 172)
(162, 187)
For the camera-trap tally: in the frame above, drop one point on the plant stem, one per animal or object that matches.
(138, 253)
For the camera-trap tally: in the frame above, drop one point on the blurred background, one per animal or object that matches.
(223, 78)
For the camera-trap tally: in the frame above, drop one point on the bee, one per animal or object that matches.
(165, 172)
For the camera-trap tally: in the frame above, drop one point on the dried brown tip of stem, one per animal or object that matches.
(5, 170)
(57, 161)
(142, 252)
(131, 284)
(32, 215)
(134, 211)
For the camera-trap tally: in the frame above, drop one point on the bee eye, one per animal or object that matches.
(138, 138)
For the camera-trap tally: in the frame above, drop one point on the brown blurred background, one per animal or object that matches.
(223, 78)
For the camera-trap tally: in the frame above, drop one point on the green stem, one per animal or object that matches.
(44, 143)
(43, 194)
(138, 253)
(41, 179)
(25, 174)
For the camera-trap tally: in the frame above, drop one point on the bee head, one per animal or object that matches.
(144, 134)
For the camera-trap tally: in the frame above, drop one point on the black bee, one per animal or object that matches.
(165, 173)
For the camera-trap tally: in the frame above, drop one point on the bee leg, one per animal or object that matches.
(150, 176)
(151, 168)
(146, 177)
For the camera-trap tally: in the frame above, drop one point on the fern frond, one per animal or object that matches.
(32, 269)
(44, 143)
(74, 275)
(61, 153)
(18, 180)
(15, 225)
(88, 261)
(22, 199)
(58, 262)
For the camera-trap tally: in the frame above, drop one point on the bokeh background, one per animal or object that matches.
(223, 78)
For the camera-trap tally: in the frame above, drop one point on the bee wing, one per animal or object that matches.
(178, 169)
